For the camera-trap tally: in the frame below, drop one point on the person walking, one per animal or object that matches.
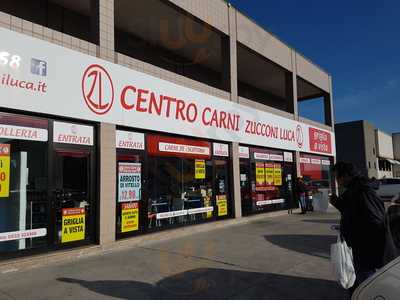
(362, 223)
(301, 193)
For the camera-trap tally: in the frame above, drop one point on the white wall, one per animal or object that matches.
(396, 145)
(385, 174)
(384, 144)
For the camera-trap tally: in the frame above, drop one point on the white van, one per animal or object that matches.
(389, 189)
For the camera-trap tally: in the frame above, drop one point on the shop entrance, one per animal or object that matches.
(72, 197)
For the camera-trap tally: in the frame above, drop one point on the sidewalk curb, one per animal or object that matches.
(64, 256)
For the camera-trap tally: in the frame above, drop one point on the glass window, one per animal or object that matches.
(180, 190)
(265, 181)
(316, 172)
(24, 206)
(129, 193)
(186, 182)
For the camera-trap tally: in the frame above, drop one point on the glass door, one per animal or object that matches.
(245, 190)
(73, 197)
(221, 187)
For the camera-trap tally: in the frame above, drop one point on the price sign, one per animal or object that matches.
(222, 204)
(5, 150)
(260, 174)
(200, 169)
(129, 182)
(129, 217)
(278, 174)
(73, 225)
(269, 173)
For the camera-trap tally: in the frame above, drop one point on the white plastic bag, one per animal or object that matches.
(342, 263)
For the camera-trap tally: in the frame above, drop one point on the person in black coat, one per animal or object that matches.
(362, 222)
(301, 194)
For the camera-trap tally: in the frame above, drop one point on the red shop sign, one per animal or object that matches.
(178, 147)
(320, 141)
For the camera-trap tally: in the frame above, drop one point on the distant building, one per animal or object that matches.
(374, 152)
(396, 153)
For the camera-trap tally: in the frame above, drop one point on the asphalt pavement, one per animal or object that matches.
(284, 257)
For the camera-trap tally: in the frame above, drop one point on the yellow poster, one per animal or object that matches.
(207, 203)
(260, 174)
(269, 174)
(5, 170)
(130, 217)
(73, 225)
(222, 204)
(278, 174)
(200, 169)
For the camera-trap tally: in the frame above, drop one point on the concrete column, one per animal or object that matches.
(295, 105)
(106, 25)
(298, 170)
(233, 53)
(237, 205)
(328, 107)
(294, 85)
(107, 213)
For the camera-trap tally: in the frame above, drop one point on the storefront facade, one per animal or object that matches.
(48, 183)
(92, 152)
(165, 181)
(266, 179)
(317, 175)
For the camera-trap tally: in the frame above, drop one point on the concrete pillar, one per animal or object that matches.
(233, 53)
(298, 170)
(328, 105)
(237, 205)
(294, 85)
(295, 105)
(107, 210)
(106, 32)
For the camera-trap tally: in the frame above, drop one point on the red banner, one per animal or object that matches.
(320, 141)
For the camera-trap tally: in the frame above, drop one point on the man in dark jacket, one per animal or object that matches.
(363, 221)
(301, 194)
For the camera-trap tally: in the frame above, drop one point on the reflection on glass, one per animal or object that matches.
(266, 184)
(318, 179)
(180, 191)
(71, 196)
(26, 206)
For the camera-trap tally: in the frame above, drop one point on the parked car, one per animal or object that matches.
(389, 189)
(384, 285)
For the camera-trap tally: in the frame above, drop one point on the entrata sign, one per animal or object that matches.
(67, 133)
(129, 140)
(100, 91)
(244, 152)
(221, 149)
